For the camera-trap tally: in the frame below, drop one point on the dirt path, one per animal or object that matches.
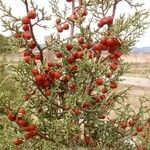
(136, 81)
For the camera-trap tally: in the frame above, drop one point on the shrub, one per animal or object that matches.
(73, 100)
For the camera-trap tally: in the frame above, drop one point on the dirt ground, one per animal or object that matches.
(135, 93)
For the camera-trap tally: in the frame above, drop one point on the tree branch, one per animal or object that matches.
(114, 7)
(72, 22)
(32, 32)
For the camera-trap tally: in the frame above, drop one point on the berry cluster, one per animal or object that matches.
(61, 26)
(26, 21)
(30, 130)
(105, 21)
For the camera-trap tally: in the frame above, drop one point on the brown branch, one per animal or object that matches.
(90, 86)
(72, 22)
(80, 2)
(58, 106)
(32, 32)
(45, 138)
(133, 5)
(114, 7)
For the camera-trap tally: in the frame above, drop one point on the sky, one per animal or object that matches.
(19, 10)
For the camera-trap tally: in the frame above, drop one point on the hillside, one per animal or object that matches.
(141, 49)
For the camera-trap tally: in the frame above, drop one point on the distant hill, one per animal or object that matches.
(141, 49)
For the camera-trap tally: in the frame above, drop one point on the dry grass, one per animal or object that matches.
(140, 68)
(135, 93)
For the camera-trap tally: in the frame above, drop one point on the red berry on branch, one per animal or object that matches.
(109, 20)
(65, 26)
(11, 116)
(27, 35)
(30, 128)
(70, 59)
(18, 35)
(100, 24)
(57, 74)
(86, 46)
(59, 29)
(79, 49)
(30, 135)
(102, 97)
(110, 42)
(66, 78)
(47, 92)
(97, 98)
(104, 90)
(32, 14)
(27, 97)
(73, 67)
(50, 63)
(103, 40)
(35, 72)
(113, 67)
(106, 20)
(75, 54)
(58, 54)
(17, 141)
(117, 54)
(72, 85)
(21, 123)
(91, 54)
(85, 105)
(85, 12)
(46, 83)
(39, 78)
(38, 57)
(88, 140)
(81, 40)
(26, 27)
(131, 123)
(144, 135)
(113, 84)
(27, 59)
(99, 81)
(76, 111)
(139, 129)
(111, 57)
(97, 47)
(26, 53)
(32, 45)
(80, 55)
(67, 107)
(58, 21)
(123, 124)
(22, 111)
(69, 46)
(25, 20)
(112, 49)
